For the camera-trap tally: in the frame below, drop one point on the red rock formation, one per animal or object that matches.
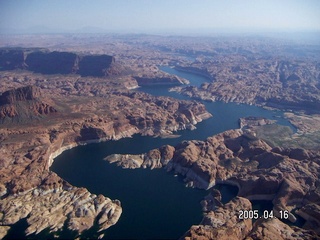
(20, 94)
(223, 223)
(23, 104)
(258, 170)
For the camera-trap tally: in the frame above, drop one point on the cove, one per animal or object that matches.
(155, 203)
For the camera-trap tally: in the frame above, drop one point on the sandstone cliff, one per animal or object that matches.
(23, 104)
(52, 62)
(20, 94)
(11, 58)
(46, 62)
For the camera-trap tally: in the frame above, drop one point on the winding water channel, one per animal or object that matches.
(155, 203)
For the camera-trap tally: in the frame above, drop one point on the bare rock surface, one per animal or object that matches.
(23, 104)
(288, 177)
(54, 207)
(29, 190)
(223, 223)
(4, 231)
(275, 229)
(20, 94)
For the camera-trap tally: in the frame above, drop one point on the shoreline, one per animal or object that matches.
(126, 134)
(195, 72)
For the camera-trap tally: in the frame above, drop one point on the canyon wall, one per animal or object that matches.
(43, 61)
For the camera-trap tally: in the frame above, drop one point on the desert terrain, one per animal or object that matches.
(61, 91)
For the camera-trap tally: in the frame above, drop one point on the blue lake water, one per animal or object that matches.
(195, 79)
(155, 203)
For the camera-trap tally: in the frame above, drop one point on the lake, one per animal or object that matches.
(156, 204)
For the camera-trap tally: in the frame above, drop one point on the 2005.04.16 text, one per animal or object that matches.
(254, 214)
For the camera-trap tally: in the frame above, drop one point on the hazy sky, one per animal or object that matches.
(143, 16)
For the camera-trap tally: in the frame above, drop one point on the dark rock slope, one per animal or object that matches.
(52, 62)
(11, 58)
(46, 62)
